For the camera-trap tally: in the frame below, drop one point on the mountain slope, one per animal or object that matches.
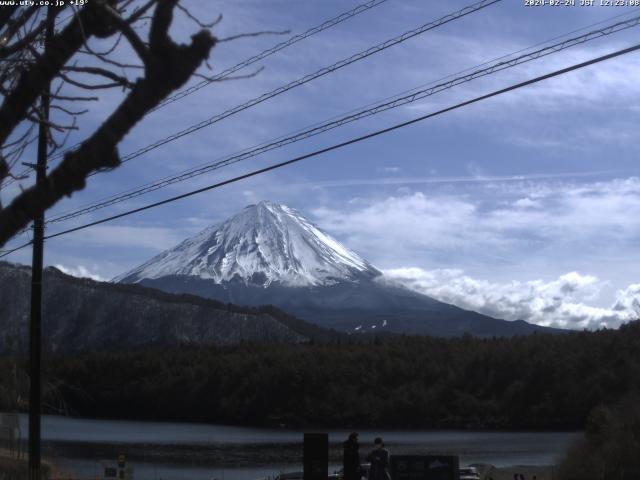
(263, 244)
(82, 314)
(270, 254)
(356, 307)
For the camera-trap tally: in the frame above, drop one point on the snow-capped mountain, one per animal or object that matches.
(264, 244)
(269, 254)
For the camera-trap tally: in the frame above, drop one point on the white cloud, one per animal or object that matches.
(563, 302)
(81, 271)
(501, 216)
(526, 202)
(628, 300)
(388, 169)
(500, 231)
(610, 82)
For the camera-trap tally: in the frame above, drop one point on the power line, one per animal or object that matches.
(327, 24)
(266, 53)
(256, 58)
(4, 253)
(312, 76)
(301, 81)
(326, 126)
(376, 133)
(344, 144)
(319, 73)
(11, 180)
(239, 66)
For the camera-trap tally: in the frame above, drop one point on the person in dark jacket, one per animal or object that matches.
(379, 458)
(351, 458)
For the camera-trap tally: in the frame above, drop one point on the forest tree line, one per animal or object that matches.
(532, 382)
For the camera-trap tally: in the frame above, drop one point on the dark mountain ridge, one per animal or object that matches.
(80, 314)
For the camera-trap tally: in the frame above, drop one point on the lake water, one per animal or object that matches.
(188, 451)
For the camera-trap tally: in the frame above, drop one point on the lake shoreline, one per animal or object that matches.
(203, 451)
(220, 455)
(308, 427)
(292, 426)
(486, 471)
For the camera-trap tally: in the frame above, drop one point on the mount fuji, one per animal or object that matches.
(263, 245)
(269, 253)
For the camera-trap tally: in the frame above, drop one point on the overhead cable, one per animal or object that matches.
(352, 141)
(317, 129)
(256, 58)
(312, 76)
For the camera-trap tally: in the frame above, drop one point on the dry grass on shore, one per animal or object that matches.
(12, 468)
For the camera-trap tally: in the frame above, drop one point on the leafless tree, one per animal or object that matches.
(79, 57)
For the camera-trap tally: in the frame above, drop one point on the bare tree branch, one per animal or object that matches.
(253, 34)
(133, 38)
(197, 21)
(117, 79)
(38, 119)
(108, 51)
(4, 170)
(168, 67)
(13, 26)
(74, 98)
(63, 46)
(110, 61)
(5, 15)
(7, 50)
(20, 139)
(55, 145)
(72, 113)
(17, 177)
(230, 77)
(138, 13)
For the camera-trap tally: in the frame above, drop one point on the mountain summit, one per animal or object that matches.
(267, 243)
(270, 254)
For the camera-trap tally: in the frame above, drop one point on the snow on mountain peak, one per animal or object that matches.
(263, 244)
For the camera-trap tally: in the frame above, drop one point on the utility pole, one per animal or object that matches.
(35, 333)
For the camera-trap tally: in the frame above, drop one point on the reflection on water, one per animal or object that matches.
(168, 451)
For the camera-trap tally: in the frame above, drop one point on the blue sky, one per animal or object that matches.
(523, 206)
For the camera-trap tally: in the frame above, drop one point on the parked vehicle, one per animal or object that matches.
(469, 473)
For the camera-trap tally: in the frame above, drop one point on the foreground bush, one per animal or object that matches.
(610, 448)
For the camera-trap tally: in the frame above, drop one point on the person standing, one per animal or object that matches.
(379, 458)
(351, 458)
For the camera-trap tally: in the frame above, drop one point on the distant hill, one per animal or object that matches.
(269, 253)
(84, 315)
